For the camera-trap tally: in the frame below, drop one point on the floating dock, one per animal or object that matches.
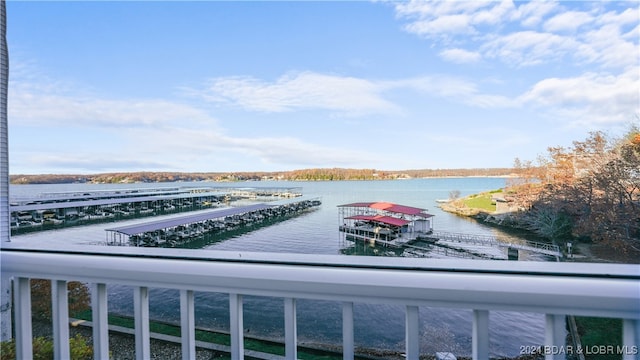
(384, 223)
(410, 231)
(171, 232)
(63, 209)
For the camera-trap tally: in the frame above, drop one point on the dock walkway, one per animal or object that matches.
(487, 240)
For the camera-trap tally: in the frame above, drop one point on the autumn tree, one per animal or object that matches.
(78, 297)
(523, 189)
(590, 190)
(614, 190)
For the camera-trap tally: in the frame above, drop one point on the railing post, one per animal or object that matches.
(23, 318)
(236, 326)
(555, 335)
(412, 333)
(347, 331)
(290, 330)
(60, 319)
(630, 339)
(141, 315)
(100, 320)
(187, 325)
(480, 342)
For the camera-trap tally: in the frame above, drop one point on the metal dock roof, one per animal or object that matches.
(110, 201)
(183, 220)
(203, 216)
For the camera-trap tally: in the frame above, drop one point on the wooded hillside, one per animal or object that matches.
(332, 174)
(590, 192)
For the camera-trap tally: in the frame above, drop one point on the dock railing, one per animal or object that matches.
(553, 289)
(487, 240)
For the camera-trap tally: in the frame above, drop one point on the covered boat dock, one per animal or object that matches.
(61, 209)
(384, 222)
(183, 228)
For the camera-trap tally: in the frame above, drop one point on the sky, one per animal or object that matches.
(229, 86)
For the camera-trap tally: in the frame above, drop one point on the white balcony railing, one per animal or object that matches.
(554, 289)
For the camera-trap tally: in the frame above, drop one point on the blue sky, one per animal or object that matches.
(269, 86)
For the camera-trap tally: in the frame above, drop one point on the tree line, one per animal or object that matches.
(320, 174)
(589, 191)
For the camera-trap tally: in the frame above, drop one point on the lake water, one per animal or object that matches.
(316, 232)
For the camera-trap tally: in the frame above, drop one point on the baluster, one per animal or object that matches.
(347, 331)
(480, 342)
(100, 320)
(60, 319)
(555, 335)
(236, 326)
(23, 318)
(141, 314)
(187, 325)
(412, 333)
(630, 338)
(290, 331)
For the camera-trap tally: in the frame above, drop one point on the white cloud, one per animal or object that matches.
(299, 91)
(626, 17)
(157, 134)
(496, 14)
(347, 95)
(204, 146)
(529, 48)
(608, 47)
(532, 13)
(417, 9)
(455, 89)
(567, 21)
(89, 162)
(460, 56)
(445, 24)
(632, 34)
(445, 18)
(34, 105)
(591, 99)
(528, 33)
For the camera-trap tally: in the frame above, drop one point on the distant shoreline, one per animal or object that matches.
(334, 174)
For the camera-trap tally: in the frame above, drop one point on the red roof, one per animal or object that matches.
(389, 220)
(360, 204)
(386, 206)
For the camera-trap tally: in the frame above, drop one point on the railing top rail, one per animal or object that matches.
(596, 270)
(568, 288)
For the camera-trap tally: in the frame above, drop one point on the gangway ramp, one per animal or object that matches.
(487, 240)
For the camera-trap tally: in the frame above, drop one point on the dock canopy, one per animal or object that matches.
(395, 208)
(189, 219)
(388, 220)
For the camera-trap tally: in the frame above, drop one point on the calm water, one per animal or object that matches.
(315, 232)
